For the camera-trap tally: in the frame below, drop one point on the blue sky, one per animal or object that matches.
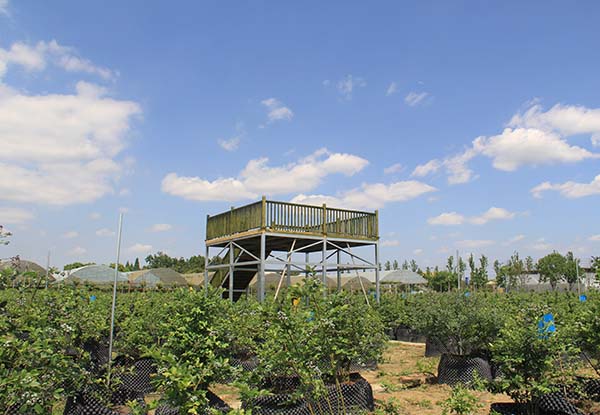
(470, 126)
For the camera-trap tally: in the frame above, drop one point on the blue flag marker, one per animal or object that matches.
(583, 298)
(546, 326)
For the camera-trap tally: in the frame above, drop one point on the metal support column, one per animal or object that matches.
(231, 255)
(261, 272)
(206, 262)
(339, 272)
(306, 261)
(377, 285)
(288, 271)
(324, 263)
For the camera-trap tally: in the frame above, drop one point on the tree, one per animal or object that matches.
(516, 271)
(441, 280)
(395, 264)
(4, 235)
(571, 271)
(552, 268)
(413, 265)
(479, 276)
(596, 267)
(136, 264)
(388, 265)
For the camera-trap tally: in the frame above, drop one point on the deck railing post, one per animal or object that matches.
(324, 219)
(261, 271)
(231, 253)
(206, 264)
(377, 284)
(263, 214)
(376, 230)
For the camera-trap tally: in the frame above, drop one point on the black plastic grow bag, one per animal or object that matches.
(350, 398)
(454, 369)
(214, 402)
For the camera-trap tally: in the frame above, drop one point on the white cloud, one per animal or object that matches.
(161, 227)
(417, 251)
(140, 248)
(347, 85)
(447, 219)
(67, 155)
(14, 216)
(493, 213)
(453, 218)
(474, 243)
(277, 111)
(124, 192)
(390, 242)
(231, 144)
(541, 245)
(570, 189)
(534, 138)
(36, 58)
(392, 89)
(594, 238)
(415, 98)
(432, 166)
(70, 235)
(515, 148)
(370, 195)
(394, 168)
(4, 7)
(95, 216)
(514, 239)
(105, 232)
(566, 119)
(259, 178)
(77, 251)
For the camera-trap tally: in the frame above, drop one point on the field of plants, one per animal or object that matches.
(190, 352)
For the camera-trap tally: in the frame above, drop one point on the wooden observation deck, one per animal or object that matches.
(250, 236)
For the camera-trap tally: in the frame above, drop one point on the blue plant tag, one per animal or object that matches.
(92, 298)
(583, 298)
(467, 294)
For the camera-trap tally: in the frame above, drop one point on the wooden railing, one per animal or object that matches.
(294, 218)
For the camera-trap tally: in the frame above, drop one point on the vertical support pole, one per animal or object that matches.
(307, 264)
(377, 285)
(206, 264)
(261, 272)
(47, 268)
(323, 262)
(339, 273)
(288, 270)
(114, 301)
(231, 255)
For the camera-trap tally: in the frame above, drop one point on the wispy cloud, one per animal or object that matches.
(570, 189)
(390, 242)
(161, 227)
(415, 98)
(347, 85)
(105, 232)
(453, 218)
(70, 235)
(394, 168)
(230, 144)
(392, 89)
(277, 111)
(14, 216)
(139, 248)
(77, 251)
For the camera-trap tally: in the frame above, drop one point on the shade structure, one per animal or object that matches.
(165, 277)
(354, 284)
(272, 280)
(23, 265)
(95, 274)
(403, 276)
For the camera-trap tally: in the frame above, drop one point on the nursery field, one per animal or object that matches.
(191, 352)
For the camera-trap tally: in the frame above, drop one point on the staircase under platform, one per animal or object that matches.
(286, 238)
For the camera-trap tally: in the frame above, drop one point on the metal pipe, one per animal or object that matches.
(114, 300)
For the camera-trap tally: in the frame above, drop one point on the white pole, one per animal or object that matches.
(577, 271)
(114, 299)
(47, 268)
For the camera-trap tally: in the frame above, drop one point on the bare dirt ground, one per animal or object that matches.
(406, 380)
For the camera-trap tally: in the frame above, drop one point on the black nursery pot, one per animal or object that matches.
(354, 397)
(455, 369)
